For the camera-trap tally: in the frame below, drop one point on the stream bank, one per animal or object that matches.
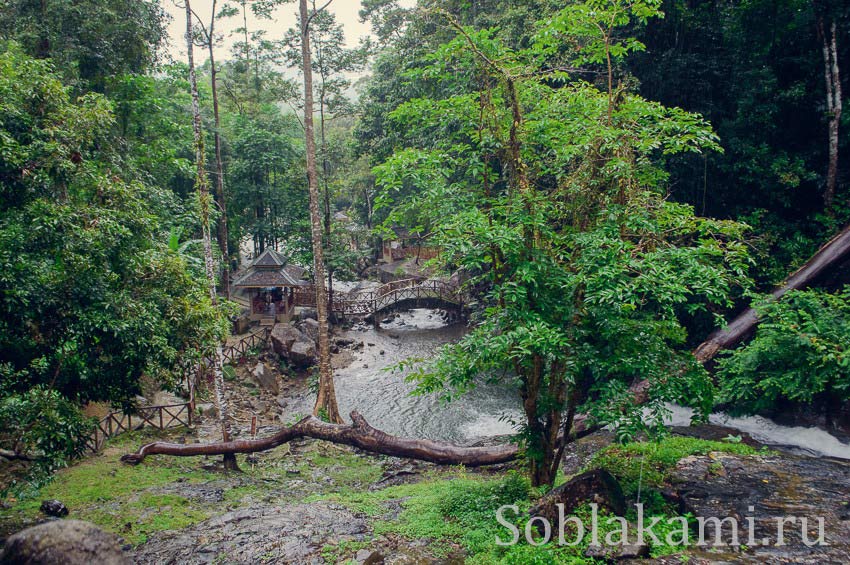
(314, 502)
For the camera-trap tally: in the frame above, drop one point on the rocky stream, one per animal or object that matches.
(291, 516)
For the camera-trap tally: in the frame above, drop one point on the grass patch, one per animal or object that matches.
(104, 491)
(343, 552)
(652, 462)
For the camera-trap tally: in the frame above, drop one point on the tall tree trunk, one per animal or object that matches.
(833, 104)
(327, 194)
(201, 183)
(222, 233)
(326, 398)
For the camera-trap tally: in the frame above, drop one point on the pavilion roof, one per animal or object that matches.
(271, 269)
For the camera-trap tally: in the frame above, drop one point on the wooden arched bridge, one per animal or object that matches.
(407, 293)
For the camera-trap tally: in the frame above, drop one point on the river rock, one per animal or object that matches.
(63, 542)
(766, 488)
(303, 353)
(282, 338)
(289, 534)
(367, 557)
(617, 552)
(308, 314)
(596, 486)
(265, 379)
(54, 508)
(207, 409)
(311, 328)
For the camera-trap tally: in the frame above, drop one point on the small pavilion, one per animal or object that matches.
(270, 283)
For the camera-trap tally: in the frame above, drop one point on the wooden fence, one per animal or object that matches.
(235, 353)
(159, 417)
(172, 415)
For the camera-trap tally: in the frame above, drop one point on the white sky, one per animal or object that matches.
(284, 18)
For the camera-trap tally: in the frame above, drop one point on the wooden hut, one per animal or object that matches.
(271, 283)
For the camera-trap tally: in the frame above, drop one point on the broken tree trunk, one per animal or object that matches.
(357, 434)
(830, 255)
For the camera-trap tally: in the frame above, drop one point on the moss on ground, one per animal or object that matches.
(450, 509)
(649, 464)
(135, 502)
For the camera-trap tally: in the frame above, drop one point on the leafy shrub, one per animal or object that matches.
(799, 352)
(46, 426)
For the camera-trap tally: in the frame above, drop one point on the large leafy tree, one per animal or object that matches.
(269, 191)
(89, 40)
(550, 192)
(91, 297)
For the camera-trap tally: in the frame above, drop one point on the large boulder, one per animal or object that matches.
(63, 542)
(282, 338)
(265, 378)
(311, 328)
(308, 314)
(303, 353)
(597, 486)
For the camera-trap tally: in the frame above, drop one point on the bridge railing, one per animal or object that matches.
(367, 301)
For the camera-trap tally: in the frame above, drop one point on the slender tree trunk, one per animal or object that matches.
(222, 233)
(832, 79)
(201, 183)
(327, 194)
(326, 398)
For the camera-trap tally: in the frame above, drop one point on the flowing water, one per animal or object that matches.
(384, 397)
(803, 440)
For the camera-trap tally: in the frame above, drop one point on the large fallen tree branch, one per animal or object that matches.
(357, 434)
(830, 255)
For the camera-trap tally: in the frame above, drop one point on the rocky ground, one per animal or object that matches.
(311, 502)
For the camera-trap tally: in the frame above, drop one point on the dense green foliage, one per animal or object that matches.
(755, 71)
(550, 192)
(92, 296)
(91, 41)
(799, 353)
(47, 427)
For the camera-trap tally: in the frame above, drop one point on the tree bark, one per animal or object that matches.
(222, 232)
(830, 255)
(202, 185)
(357, 434)
(327, 194)
(833, 104)
(326, 398)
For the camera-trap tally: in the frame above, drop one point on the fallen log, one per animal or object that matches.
(830, 255)
(363, 436)
(357, 434)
